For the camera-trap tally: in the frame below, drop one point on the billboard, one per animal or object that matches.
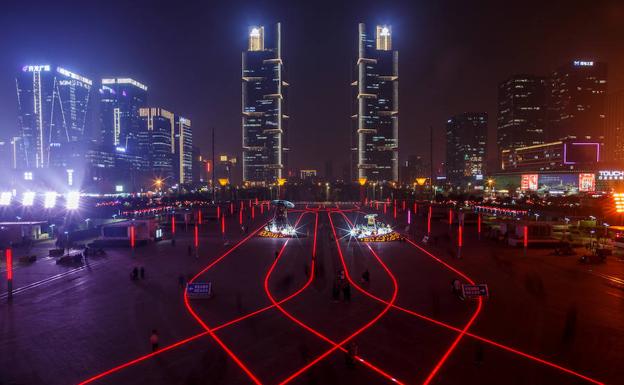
(587, 182)
(528, 182)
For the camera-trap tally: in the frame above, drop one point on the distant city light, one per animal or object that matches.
(582, 63)
(49, 200)
(28, 198)
(255, 32)
(5, 198)
(385, 31)
(72, 200)
(618, 199)
(70, 177)
(28, 175)
(37, 68)
(119, 188)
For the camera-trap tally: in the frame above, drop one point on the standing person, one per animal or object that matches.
(366, 276)
(346, 292)
(142, 272)
(135, 274)
(154, 340)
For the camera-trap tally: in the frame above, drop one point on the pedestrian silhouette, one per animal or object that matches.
(154, 340)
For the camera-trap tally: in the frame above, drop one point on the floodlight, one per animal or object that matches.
(28, 198)
(72, 200)
(5, 198)
(49, 200)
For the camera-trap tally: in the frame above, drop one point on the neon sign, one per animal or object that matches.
(582, 63)
(611, 175)
(38, 68)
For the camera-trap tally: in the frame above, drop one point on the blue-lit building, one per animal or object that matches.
(264, 119)
(375, 135)
(466, 143)
(158, 140)
(52, 115)
(183, 159)
(120, 102)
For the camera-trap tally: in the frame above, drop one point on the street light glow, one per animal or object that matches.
(49, 200)
(5, 198)
(28, 198)
(72, 200)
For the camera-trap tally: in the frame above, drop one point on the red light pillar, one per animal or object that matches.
(199, 216)
(403, 205)
(450, 218)
(242, 206)
(218, 211)
(394, 209)
(231, 208)
(526, 238)
(196, 233)
(460, 239)
(479, 226)
(223, 225)
(409, 217)
(385, 208)
(173, 225)
(429, 222)
(256, 200)
(250, 203)
(132, 237)
(9, 273)
(415, 208)
(240, 217)
(253, 212)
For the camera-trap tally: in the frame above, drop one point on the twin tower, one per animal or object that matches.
(375, 129)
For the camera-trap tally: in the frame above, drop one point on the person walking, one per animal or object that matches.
(154, 340)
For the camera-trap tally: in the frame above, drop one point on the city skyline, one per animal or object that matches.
(414, 35)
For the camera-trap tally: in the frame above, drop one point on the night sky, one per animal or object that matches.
(452, 55)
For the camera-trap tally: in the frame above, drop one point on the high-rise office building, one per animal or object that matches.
(120, 102)
(264, 119)
(466, 136)
(183, 160)
(577, 101)
(522, 111)
(375, 136)
(157, 140)
(614, 127)
(52, 113)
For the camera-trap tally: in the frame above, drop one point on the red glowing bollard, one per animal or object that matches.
(385, 208)
(450, 217)
(250, 203)
(526, 237)
(262, 208)
(460, 239)
(479, 225)
(222, 225)
(403, 205)
(231, 208)
(409, 217)
(199, 217)
(173, 224)
(196, 237)
(240, 217)
(429, 222)
(218, 211)
(394, 213)
(242, 206)
(376, 205)
(415, 208)
(253, 212)
(256, 200)
(132, 239)
(9, 264)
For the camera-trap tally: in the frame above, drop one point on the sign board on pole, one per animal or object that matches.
(474, 291)
(199, 289)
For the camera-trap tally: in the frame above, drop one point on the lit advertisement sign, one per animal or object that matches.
(528, 182)
(72, 75)
(38, 68)
(125, 81)
(587, 182)
(583, 63)
(611, 175)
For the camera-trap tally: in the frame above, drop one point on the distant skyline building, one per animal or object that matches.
(158, 141)
(52, 113)
(264, 119)
(183, 160)
(614, 127)
(375, 136)
(120, 102)
(522, 111)
(577, 101)
(466, 138)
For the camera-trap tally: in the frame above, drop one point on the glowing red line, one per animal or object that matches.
(240, 217)
(526, 236)
(450, 216)
(305, 326)
(231, 208)
(222, 225)
(357, 332)
(460, 237)
(196, 237)
(132, 236)
(483, 339)
(173, 223)
(199, 216)
(429, 222)
(253, 212)
(218, 211)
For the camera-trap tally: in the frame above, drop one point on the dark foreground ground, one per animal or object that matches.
(68, 324)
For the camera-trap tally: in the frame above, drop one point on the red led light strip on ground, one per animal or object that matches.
(310, 329)
(475, 336)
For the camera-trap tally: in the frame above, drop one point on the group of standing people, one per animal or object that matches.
(137, 272)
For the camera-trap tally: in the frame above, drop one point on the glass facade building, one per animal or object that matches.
(183, 164)
(158, 140)
(375, 136)
(52, 114)
(522, 111)
(120, 102)
(577, 101)
(466, 136)
(263, 109)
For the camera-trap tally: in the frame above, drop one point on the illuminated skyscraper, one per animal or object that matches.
(577, 101)
(614, 127)
(52, 111)
(375, 136)
(263, 109)
(466, 136)
(158, 140)
(183, 160)
(522, 111)
(120, 102)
